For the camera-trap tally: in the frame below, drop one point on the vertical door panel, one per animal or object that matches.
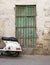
(26, 25)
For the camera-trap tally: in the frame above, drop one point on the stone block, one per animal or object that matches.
(46, 36)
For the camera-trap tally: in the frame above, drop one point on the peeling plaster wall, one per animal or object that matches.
(7, 18)
(7, 15)
(43, 23)
(40, 18)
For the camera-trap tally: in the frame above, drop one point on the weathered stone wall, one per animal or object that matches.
(7, 20)
(7, 15)
(43, 25)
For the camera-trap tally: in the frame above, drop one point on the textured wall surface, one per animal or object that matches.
(7, 15)
(7, 19)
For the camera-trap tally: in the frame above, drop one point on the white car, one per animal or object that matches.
(12, 46)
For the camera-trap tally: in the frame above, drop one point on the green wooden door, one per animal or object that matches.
(26, 25)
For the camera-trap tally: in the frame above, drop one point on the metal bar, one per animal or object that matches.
(25, 16)
(23, 33)
(28, 29)
(25, 27)
(27, 37)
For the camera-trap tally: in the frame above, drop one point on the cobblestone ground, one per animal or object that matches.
(25, 60)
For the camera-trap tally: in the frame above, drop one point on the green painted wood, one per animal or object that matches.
(26, 10)
(26, 25)
(23, 21)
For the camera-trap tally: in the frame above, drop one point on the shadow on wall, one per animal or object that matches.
(2, 44)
